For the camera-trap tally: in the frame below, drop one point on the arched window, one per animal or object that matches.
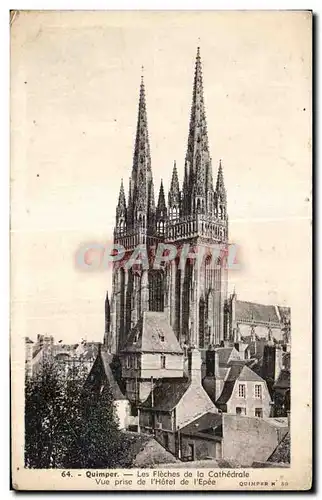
(156, 291)
(202, 322)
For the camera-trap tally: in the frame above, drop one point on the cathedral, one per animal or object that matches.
(192, 297)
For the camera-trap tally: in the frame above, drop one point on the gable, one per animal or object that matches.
(248, 375)
(153, 333)
(194, 403)
(101, 372)
(226, 354)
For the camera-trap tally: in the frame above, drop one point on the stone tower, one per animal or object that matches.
(192, 294)
(138, 223)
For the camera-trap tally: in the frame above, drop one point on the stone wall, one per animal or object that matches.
(248, 440)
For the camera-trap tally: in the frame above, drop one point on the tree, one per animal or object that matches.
(67, 426)
(98, 443)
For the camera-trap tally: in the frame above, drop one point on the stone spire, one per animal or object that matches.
(141, 197)
(161, 212)
(174, 194)
(121, 206)
(197, 157)
(185, 189)
(220, 185)
(121, 212)
(161, 200)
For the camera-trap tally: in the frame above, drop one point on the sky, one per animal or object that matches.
(75, 80)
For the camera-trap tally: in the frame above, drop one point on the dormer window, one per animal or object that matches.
(161, 337)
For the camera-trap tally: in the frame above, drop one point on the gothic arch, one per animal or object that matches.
(210, 318)
(156, 290)
(202, 322)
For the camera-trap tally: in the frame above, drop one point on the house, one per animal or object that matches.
(234, 387)
(103, 376)
(230, 438)
(173, 403)
(151, 352)
(45, 349)
(202, 438)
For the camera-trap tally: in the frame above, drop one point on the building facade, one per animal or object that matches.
(195, 217)
(253, 322)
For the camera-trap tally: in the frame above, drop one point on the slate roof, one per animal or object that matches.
(250, 311)
(249, 375)
(238, 372)
(107, 359)
(208, 383)
(207, 423)
(226, 392)
(284, 380)
(167, 394)
(224, 354)
(148, 333)
(144, 451)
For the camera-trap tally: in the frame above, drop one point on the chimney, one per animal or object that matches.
(195, 362)
(278, 365)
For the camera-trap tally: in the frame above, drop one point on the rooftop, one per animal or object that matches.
(167, 394)
(209, 424)
(251, 311)
(152, 333)
(107, 360)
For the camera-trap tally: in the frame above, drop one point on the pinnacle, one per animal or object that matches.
(122, 202)
(174, 188)
(161, 199)
(220, 185)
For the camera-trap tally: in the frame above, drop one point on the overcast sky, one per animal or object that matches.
(75, 85)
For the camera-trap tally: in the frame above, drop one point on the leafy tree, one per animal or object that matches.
(68, 426)
(98, 443)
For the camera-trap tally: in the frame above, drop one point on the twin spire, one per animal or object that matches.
(198, 193)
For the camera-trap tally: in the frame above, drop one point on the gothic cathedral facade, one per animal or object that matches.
(193, 296)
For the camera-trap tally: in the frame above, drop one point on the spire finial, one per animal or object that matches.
(161, 200)
(220, 185)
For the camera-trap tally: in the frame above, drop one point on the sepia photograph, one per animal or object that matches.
(161, 287)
